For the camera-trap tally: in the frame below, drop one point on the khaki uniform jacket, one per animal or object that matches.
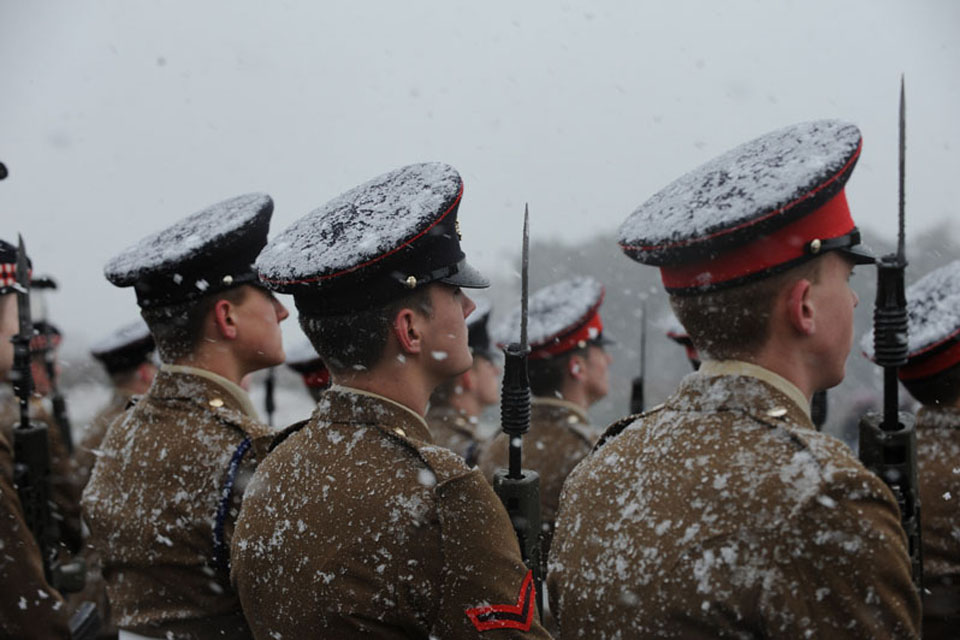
(29, 606)
(725, 514)
(560, 437)
(154, 502)
(451, 429)
(356, 525)
(938, 478)
(85, 453)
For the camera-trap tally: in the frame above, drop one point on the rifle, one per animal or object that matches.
(518, 488)
(31, 458)
(888, 441)
(269, 404)
(818, 409)
(60, 415)
(636, 393)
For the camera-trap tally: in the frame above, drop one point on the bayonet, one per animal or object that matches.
(888, 444)
(519, 488)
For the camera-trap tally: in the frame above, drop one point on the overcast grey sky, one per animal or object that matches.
(120, 117)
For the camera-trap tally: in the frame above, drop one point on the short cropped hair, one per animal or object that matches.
(546, 374)
(357, 340)
(178, 329)
(940, 389)
(734, 323)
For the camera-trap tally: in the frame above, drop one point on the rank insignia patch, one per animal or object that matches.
(508, 616)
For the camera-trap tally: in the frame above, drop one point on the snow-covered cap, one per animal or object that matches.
(478, 336)
(46, 336)
(933, 324)
(8, 267)
(761, 208)
(124, 348)
(373, 244)
(305, 360)
(561, 317)
(210, 251)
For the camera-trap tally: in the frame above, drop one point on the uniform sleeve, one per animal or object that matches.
(487, 591)
(853, 577)
(29, 608)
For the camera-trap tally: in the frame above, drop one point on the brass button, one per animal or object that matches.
(411, 282)
(400, 432)
(777, 412)
(216, 403)
(815, 245)
(228, 279)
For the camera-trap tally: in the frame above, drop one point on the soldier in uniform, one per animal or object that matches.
(457, 405)
(932, 376)
(568, 367)
(678, 334)
(127, 357)
(29, 606)
(723, 512)
(357, 524)
(304, 360)
(164, 494)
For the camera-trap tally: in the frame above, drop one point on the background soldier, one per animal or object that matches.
(932, 376)
(304, 360)
(357, 524)
(724, 513)
(127, 357)
(457, 405)
(678, 334)
(29, 606)
(568, 368)
(164, 494)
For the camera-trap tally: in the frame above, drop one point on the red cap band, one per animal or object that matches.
(782, 246)
(590, 330)
(934, 364)
(317, 379)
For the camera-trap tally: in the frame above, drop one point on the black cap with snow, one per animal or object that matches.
(761, 208)
(373, 244)
(478, 336)
(210, 251)
(125, 348)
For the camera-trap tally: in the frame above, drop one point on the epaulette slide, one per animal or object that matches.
(283, 435)
(614, 429)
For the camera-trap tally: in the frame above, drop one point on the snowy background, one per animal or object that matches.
(118, 118)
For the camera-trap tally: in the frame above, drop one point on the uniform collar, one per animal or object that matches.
(412, 423)
(741, 368)
(233, 390)
(452, 418)
(562, 404)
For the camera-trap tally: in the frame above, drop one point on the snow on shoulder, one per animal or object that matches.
(186, 240)
(364, 224)
(768, 175)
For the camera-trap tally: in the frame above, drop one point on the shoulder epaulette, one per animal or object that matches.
(283, 435)
(614, 429)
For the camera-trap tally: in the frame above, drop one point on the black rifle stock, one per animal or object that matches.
(637, 400)
(31, 456)
(888, 440)
(519, 488)
(58, 402)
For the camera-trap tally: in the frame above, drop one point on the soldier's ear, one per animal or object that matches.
(408, 332)
(575, 367)
(224, 319)
(799, 307)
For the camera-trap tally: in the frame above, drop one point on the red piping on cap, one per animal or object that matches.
(378, 258)
(748, 223)
(934, 364)
(587, 332)
(318, 379)
(784, 245)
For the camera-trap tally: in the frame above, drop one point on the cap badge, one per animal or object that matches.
(456, 225)
(411, 282)
(228, 279)
(815, 245)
